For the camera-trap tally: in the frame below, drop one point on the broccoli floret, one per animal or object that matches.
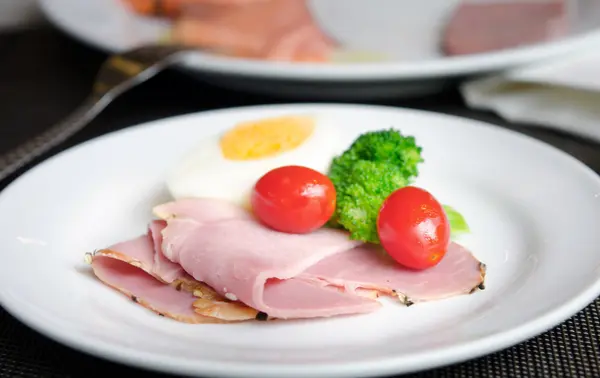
(375, 165)
(362, 191)
(389, 146)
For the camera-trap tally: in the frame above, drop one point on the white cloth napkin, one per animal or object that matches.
(563, 94)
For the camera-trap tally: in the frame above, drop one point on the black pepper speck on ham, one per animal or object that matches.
(208, 260)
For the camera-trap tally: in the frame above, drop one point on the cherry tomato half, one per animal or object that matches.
(413, 228)
(294, 199)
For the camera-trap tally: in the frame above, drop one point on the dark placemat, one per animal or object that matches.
(570, 350)
(34, 96)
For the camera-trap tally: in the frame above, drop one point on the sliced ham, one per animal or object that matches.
(496, 25)
(368, 267)
(290, 276)
(242, 259)
(138, 269)
(141, 251)
(164, 269)
(267, 29)
(208, 260)
(200, 210)
(145, 290)
(305, 43)
(174, 8)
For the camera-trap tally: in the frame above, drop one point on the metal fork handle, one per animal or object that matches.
(101, 97)
(22, 155)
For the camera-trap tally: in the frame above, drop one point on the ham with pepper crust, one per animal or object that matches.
(139, 269)
(242, 270)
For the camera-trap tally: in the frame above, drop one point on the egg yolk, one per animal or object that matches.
(265, 138)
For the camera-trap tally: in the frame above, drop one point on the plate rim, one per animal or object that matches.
(443, 357)
(354, 72)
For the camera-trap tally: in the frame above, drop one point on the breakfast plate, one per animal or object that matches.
(532, 214)
(387, 49)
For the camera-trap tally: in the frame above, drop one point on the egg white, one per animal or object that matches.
(204, 172)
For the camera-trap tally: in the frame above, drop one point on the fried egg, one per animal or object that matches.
(226, 166)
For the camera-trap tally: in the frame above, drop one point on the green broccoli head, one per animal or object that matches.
(361, 194)
(375, 165)
(389, 146)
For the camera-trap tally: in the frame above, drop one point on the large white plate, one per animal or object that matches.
(409, 34)
(534, 213)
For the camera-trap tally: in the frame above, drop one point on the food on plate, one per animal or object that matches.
(174, 8)
(228, 165)
(376, 164)
(370, 267)
(219, 258)
(287, 30)
(413, 228)
(168, 8)
(294, 199)
(479, 27)
(458, 223)
(254, 232)
(281, 30)
(139, 269)
(256, 264)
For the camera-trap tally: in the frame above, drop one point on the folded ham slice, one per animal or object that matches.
(369, 267)
(139, 269)
(211, 261)
(115, 271)
(243, 260)
(290, 276)
(279, 30)
(486, 26)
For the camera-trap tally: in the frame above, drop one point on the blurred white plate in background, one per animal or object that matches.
(408, 35)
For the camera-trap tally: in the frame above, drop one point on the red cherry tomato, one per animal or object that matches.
(294, 199)
(413, 228)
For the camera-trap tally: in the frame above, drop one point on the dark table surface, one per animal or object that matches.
(45, 74)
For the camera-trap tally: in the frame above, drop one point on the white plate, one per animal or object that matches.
(409, 34)
(534, 213)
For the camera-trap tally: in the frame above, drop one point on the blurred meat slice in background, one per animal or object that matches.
(488, 25)
(176, 8)
(281, 30)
